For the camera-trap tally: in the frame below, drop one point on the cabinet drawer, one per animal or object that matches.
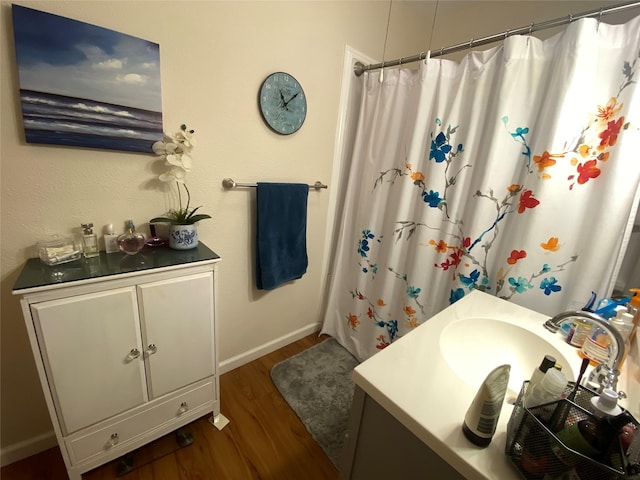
(115, 435)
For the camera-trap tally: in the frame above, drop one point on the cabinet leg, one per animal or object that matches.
(125, 464)
(184, 437)
(219, 421)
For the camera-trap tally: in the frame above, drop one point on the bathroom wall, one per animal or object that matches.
(214, 57)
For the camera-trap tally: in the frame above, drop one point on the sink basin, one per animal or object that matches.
(428, 378)
(472, 347)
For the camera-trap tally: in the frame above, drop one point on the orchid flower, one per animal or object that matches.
(180, 160)
(174, 150)
(185, 138)
(174, 174)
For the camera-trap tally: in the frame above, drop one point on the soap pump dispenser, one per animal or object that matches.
(89, 241)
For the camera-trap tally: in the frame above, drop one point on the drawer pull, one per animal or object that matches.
(133, 354)
(113, 440)
(184, 406)
(151, 349)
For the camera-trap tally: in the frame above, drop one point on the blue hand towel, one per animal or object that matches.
(281, 253)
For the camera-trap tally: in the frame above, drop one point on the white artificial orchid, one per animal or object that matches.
(174, 174)
(162, 149)
(185, 138)
(179, 160)
(174, 150)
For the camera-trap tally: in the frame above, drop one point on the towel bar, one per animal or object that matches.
(229, 183)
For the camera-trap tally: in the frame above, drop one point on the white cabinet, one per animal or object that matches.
(85, 342)
(177, 327)
(125, 358)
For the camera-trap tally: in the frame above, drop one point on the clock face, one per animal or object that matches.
(283, 103)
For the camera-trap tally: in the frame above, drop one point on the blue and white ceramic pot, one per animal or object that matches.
(183, 237)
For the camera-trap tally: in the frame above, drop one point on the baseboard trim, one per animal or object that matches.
(26, 448)
(246, 357)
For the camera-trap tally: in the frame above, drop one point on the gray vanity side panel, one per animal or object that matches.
(378, 447)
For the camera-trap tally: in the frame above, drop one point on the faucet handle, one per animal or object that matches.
(602, 377)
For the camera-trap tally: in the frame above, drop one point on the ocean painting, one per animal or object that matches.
(86, 86)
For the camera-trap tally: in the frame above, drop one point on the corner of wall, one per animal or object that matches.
(26, 448)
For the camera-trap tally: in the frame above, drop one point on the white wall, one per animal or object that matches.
(214, 56)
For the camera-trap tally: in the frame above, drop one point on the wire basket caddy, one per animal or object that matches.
(538, 454)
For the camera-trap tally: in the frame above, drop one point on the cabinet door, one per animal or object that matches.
(177, 331)
(86, 343)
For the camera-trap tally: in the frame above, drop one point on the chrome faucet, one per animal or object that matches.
(606, 375)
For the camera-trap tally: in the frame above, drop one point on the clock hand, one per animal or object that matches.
(284, 104)
(287, 102)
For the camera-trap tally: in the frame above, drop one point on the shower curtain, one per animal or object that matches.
(514, 172)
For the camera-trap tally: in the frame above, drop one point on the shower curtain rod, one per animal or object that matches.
(359, 68)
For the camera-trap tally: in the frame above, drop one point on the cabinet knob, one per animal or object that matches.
(133, 354)
(151, 349)
(113, 440)
(184, 406)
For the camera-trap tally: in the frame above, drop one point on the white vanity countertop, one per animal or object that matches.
(414, 382)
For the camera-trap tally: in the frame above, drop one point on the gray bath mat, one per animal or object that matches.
(317, 384)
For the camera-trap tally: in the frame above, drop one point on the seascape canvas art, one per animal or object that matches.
(86, 86)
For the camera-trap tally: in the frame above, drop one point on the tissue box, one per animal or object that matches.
(58, 250)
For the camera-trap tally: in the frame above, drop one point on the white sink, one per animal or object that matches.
(428, 378)
(472, 347)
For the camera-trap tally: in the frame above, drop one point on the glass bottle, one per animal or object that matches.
(130, 242)
(89, 241)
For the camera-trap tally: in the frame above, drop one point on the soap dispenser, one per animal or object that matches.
(89, 241)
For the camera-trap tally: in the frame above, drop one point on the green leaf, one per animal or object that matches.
(162, 220)
(197, 218)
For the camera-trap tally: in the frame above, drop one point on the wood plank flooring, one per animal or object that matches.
(264, 441)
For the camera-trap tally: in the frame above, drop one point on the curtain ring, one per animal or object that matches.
(441, 51)
(599, 19)
(530, 28)
(471, 44)
(506, 33)
(400, 61)
(570, 17)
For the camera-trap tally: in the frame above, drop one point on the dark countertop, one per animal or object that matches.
(37, 274)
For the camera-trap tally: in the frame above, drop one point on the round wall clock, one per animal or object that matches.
(282, 103)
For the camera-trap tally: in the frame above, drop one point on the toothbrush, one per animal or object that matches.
(612, 305)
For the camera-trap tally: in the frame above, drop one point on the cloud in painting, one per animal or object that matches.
(86, 86)
(67, 57)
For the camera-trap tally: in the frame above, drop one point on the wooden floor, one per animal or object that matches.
(265, 439)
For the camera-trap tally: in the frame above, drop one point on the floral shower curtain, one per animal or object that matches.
(514, 172)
